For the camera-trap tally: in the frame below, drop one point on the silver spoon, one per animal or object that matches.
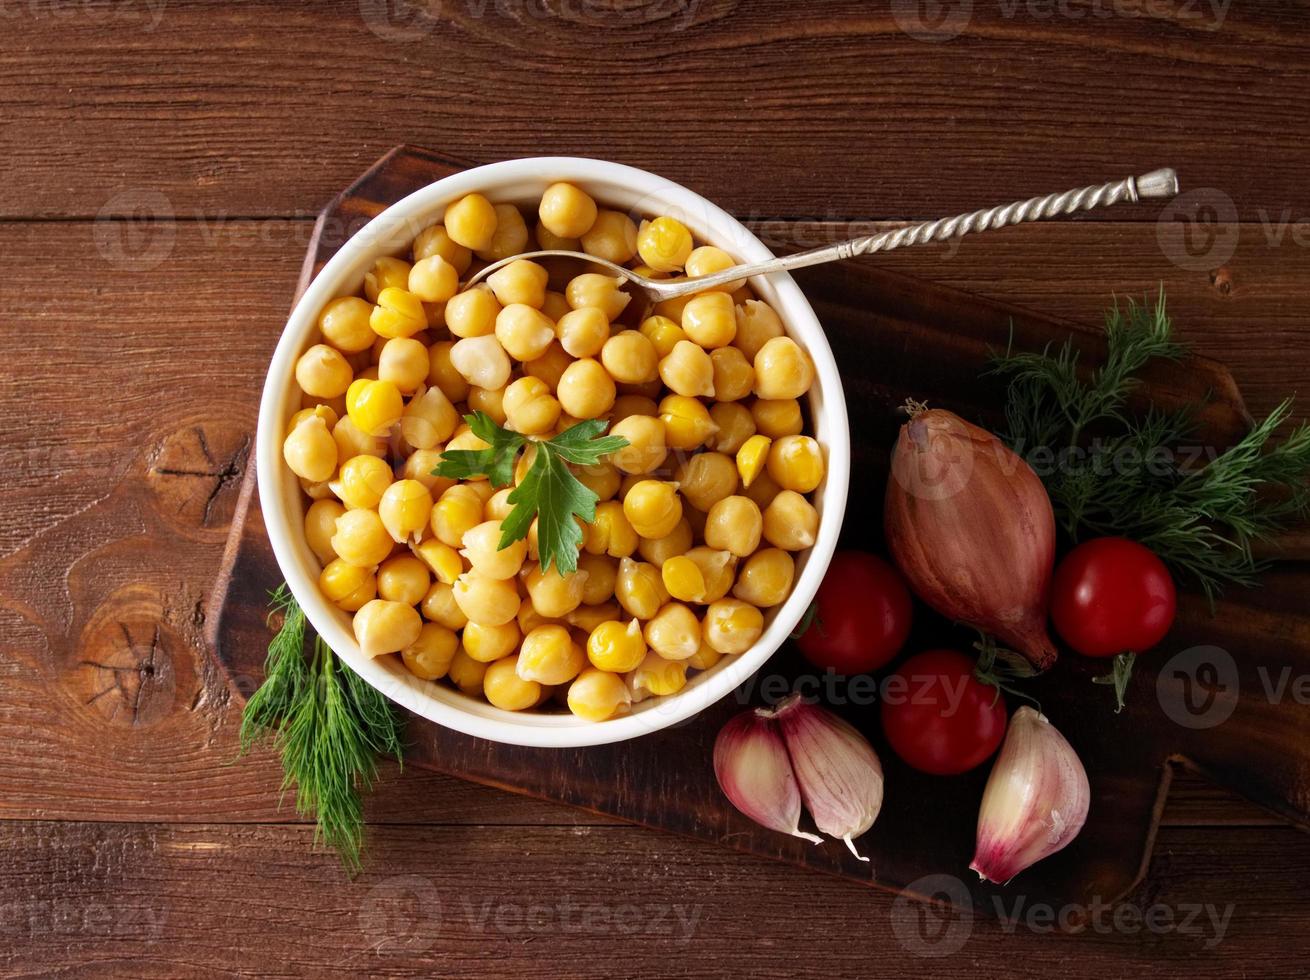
(1161, 184)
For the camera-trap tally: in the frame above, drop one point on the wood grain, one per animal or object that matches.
(269, 108)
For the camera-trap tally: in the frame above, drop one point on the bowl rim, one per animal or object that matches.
(406, 217)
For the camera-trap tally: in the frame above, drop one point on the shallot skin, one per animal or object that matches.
(971, 527)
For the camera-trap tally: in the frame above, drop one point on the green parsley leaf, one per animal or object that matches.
(496, 462)
(549, 493)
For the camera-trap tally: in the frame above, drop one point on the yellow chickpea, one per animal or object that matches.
(674, 632)
(419, 465)
(471, 222)
(550, 366)
(718, 568)
(510, 236)
(735, 426)
(707, 478)
(489, 401)
(473, 312)
(664, 244)
(766, 578)
(628, 404)
(776, 418)
(320, 525)
(486, 557)
(653, 508)
(321, 490)
(707, 260)
(688, 370)
(374, 406)
(352, 442)
(399, 313)
(595, 289)
(704, 658)
(498, 507)
(782, 369)
(521, 282)
(709, 320)
(586, 390)
(430, 655)
(602, 573)
(583, 332)
(683, 579)
(403, 362)
(327, 413)
(566, 211)
(586, 618)
(790, 522)
(609, 533)
(549, 656)
(322, 372)
(616, 646)
(732, 626)
(757, 324)
(663, 333)
(403, 578)
(386, 271)
(796, 463)
(348, 586)
(505, 689)
(639, 588)
(428, 420)
(386, 627)
(612, 236)
(456, 512)
(344, 323)
(442, 373)
(524, 332)
(466, 673)
(310, 451)
(734, 377)
(529, 406)
(439, 606)
(433, 280)
(630, 358)
(657, 676)
(687, 422)
(555, 305)
(646, 448)
(482, 361)
(658, 550)
(433, 240)
(734, 524)
(404, 509)
(488, 643)
(554, 595)
(598, 695)
(486, 601)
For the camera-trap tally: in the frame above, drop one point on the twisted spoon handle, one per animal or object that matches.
(1161, 183)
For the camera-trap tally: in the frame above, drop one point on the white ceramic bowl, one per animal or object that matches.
(390, 233)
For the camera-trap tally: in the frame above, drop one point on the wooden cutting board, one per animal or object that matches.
(1219, 695)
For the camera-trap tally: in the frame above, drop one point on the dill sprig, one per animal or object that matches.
(1111, 471)
(329, 725)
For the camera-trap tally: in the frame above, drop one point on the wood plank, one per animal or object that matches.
(269, 107)
(113, 899)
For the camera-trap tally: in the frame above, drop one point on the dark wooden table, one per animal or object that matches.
(162, 164)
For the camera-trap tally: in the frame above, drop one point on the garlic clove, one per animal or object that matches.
(1035, 802)
(754, 772)
(840, 775)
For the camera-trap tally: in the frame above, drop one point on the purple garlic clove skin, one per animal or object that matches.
(840, 775)
(755, 773)
(1035, 802)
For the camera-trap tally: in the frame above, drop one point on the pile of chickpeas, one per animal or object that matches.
(699, 517)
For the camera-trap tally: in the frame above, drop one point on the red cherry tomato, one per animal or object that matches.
(862, 615)
(1112, 595)
(938, 717)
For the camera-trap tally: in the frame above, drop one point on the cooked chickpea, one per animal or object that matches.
(473, 312)
(510, 236)
(704, 658)
(735, 423)
(717, 568)
(732, 626)
(752, 458)
(320, 525)
(439, 606)
(707, 260)
(602, 572)
(550, 366)
(521, 282)
(626, 405)
(322, 372)
(352, 442)
(327, 413)
(404, 509)
(566, 211)
(430, 655)
(663, 333)
(471, 221)
(676, 542)
(386, 627)
(646, 448)
(657, 676)
(597, 695)
(419, 465)
(776, 418)
(428, 419)
(524, 332)
(484, 554)
(782, 369)
(433, 280)
(664, 244)
(486, 601)
(586, 390)
(595, 289)
(757, 324)
(766, 578)
(796, 463)
(488, 643)
(482, 361)
(456, 512)
(441, 559)
(709, 320)
(555, 305)
(321, 490)
(630, 358)
(529, 406)
(672, 308)
(734, 378)
(344, 323)
(549, 656)
(498, 507)
(310, 451)
(554, 595)
(734, 524)
(688, 370)
(442, 373)
(466, 673)
(612, 236)
(707, 478)
(616, 646)
(348, 586)
(433, 240)
(674, 632)
(687, 422)
(489, 401)
(790, 522)
(403, 578)
(652, 508)
(505, 689)
(374, 406)
(399, 313)
(762, 490)
(583, 332)
(683, 579)
(387, 271)
(639, 588)
(403, 362)
(586, 618)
